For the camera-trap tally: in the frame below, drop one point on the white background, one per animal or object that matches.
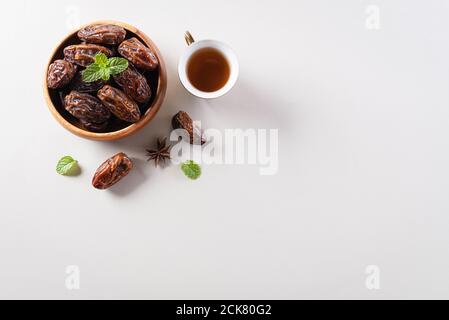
(363, 119)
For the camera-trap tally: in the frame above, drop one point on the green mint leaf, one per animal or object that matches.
(101, 59)
(67, 166)
(105, 74)
(103, 68)
(117, 65)
(92, 73)
(191, 169)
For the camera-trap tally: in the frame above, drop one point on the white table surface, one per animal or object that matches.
(363, 119)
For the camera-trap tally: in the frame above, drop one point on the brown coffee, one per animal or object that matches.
(208, 70)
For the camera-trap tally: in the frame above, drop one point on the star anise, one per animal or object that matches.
(161, 153)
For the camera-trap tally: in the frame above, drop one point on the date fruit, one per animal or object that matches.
(86, 108)
(134, 84)
(182, 120)
(60, 73)
(102, 34)
(83, 54)
(140, 55)
(85, 87)
(94, 127)
(122, 106)
(112, 171)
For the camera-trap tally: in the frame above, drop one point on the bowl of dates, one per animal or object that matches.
(105, 81)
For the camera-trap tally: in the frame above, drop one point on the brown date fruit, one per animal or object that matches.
(83, 54)
(94, 127)
(182, 120)
(85, 87)
(102, 34)
(60, 73)
(122, 106)
(140, 55)
(86, 108)
(112, 171)
(134, 84)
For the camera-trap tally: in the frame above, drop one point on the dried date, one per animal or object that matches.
(122, 106)
(86, 108)
(85, 87)
(112, 171)
(140, 55)
(60, 73)
(183, 121)
(94, 127)
(102, 34)
(134, 84)
(83, 54)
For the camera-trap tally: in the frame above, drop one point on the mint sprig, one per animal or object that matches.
(67, 166)
(104, 67)
(191, 169)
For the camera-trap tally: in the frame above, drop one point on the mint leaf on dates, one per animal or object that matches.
(117, 65)
(101, 60)
(103, 68)
(92, 73)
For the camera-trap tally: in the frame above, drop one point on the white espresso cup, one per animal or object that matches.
(193, 47)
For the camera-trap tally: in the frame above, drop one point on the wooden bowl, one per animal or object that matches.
(118, 130)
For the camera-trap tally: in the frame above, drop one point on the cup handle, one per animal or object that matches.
(189, 38)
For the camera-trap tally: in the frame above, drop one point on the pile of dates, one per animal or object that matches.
(103, 105)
